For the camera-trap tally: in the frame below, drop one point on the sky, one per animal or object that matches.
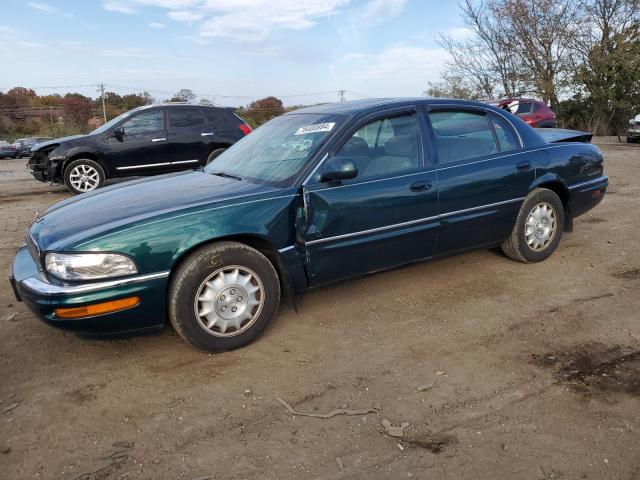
(229, 51)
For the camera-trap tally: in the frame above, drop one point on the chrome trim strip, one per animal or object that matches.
(603, 178)
(185, 161)
(164, 164)
(41, 287)
(158, 139)
(412, 222)
(371, 230)
(206, 134)
(286, 249)
(489, 205)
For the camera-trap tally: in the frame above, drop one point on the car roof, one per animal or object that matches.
(179, 105)
(353, 107)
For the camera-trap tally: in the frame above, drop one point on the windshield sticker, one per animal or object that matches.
(318, 127)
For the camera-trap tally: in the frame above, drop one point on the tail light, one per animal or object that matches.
(246, 129)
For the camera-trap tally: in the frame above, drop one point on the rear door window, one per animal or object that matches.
(185, 117)
(461, 135)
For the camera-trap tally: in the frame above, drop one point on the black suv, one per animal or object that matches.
(144, 141)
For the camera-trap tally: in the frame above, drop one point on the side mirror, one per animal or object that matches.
(118, 133)
(338, 168)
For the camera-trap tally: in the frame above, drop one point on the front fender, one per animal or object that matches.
(158, 244)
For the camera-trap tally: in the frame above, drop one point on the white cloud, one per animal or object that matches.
(157, 25)
(459, 33)
(247, 20)
(119, 7)
(50, 9)
(381, 10)
(400, 62)
(253, 20)
(184, 16)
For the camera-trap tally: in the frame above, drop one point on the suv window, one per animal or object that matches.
(507, 139)
(462, 135)
(185, 117)
(385, 147)
(221, 119)
(146, 122)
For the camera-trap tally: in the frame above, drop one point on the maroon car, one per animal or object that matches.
(533, 112)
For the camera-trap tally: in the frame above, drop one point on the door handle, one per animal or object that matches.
(420, 186)
(524, 165)
(206, 134)
(158, 139)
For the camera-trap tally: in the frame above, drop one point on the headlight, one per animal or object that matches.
(88, 266)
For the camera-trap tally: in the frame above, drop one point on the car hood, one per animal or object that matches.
(57, 141)
(106, 210)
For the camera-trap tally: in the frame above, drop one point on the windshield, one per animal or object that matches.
(111, 123)
(276, 152)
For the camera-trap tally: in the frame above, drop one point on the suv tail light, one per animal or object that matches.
(246, 129)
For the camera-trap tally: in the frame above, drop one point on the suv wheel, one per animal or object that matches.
(223, 296)
(214, 154)
(83, 175)
(538, 228)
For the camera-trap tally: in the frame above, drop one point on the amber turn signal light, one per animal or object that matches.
(97, 308)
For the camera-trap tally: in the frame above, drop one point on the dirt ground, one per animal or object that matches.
(535, 371)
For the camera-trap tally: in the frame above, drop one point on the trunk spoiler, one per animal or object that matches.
(554, 135)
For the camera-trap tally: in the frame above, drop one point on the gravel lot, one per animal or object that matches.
(535, 370)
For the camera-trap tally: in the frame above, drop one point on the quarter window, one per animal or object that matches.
(461, 135)
(504, 133)
(185, 117)
(144, 123)
(385, 147)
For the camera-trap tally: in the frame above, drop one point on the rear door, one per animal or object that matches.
(143, 147)
(188, 137)
(387, 215)
(483, 176)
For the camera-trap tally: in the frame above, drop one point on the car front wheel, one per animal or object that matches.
(538, 228)
(83, 175)
(214, 154)
(223, 296)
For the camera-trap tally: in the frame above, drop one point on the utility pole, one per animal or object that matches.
(341, 94)
(104, 108)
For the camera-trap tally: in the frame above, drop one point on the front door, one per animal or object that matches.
(143, 147)
(386, 216)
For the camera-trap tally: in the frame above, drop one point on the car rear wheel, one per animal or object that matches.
(223, 296)
(538, 228)
(83, 175)
(214, 154)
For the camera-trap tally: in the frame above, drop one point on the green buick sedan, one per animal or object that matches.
(311, 197)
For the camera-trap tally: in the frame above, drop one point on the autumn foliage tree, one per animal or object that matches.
(262, 110)
(76, 109)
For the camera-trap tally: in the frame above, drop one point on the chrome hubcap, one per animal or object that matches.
(541, 226)
(229, 301)
(84, 178)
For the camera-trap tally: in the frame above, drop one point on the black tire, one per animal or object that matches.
(91, 166)
(204, 265)
(214, 154)
(517, 246)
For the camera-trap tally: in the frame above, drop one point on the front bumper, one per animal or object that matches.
(633, 134)
(43, 296)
